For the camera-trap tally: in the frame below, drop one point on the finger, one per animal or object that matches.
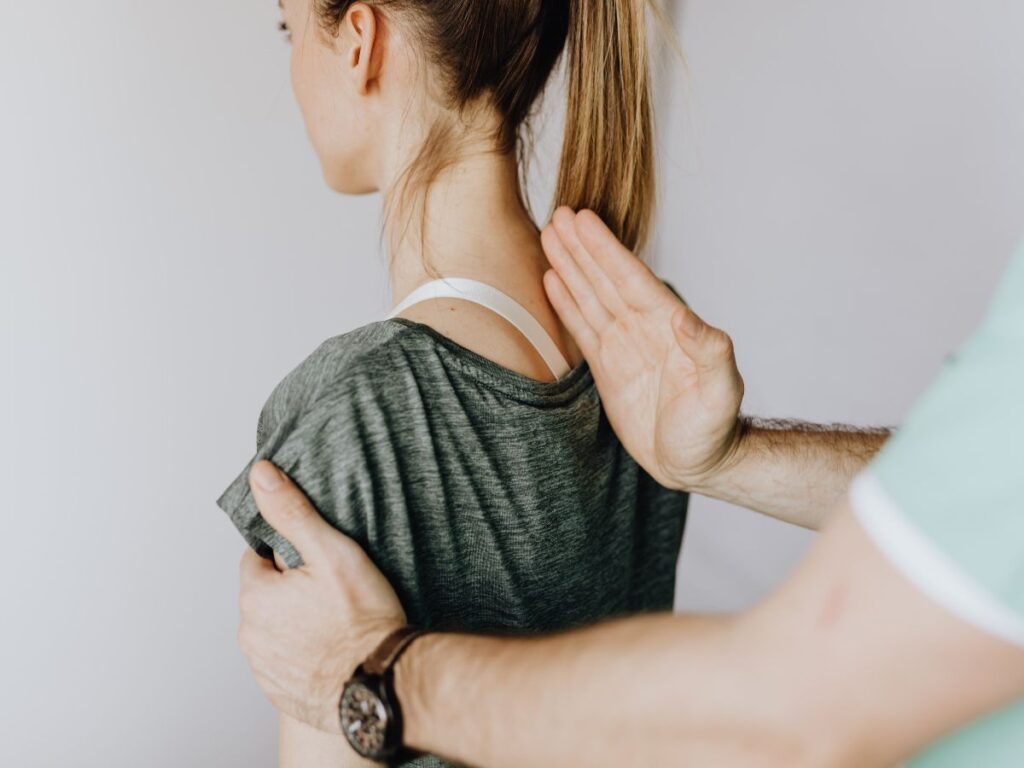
(579, 286)
(287, 510)
(566, 308)
(254, 568)
(564, 222)
(279, 563)
(708, 347)
(636, 284)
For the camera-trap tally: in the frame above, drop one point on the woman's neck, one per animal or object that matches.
(475, 226)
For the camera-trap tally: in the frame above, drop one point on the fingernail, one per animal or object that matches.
(266, 476)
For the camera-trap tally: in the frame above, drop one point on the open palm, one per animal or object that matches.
(668, 381)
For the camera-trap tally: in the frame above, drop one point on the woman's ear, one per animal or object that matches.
(364, 55)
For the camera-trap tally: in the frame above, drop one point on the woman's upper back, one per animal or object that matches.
(490, 500)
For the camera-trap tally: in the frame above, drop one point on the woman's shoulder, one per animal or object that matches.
(348, 351)
(345, 370)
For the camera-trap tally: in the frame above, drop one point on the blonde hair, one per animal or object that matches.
(608, 152)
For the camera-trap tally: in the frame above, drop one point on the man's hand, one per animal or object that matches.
(669, 384)
(305, 630)
(668, 381)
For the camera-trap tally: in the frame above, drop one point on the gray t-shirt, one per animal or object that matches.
(492, 502)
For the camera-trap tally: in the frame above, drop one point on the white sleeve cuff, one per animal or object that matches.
(926, 566)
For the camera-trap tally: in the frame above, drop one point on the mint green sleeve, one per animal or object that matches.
(944, 502)
(954, 474)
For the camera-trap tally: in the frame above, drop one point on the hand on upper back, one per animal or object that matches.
(668, 381)
(305, 630)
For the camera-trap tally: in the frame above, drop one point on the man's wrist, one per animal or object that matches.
(447, 687)
(415, 687)
(732, 453)
(791, 470)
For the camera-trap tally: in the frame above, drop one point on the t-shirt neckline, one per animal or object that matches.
(504, 379)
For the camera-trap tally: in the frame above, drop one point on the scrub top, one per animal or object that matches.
(944, 501)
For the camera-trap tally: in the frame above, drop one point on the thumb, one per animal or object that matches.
(287, 510)
(708, 347)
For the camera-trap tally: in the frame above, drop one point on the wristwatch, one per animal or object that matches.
(371, 717)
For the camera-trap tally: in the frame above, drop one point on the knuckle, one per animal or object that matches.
(723, 343)
(347, 547)
(295, 508)
(348, 555)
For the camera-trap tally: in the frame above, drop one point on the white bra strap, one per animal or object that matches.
(499, 303)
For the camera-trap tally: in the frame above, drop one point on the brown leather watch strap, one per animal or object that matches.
(390, 649)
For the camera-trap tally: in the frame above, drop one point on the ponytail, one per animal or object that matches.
(608, 155)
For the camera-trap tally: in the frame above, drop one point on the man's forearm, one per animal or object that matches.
(649, 691)
(838, 668)
(792, 470)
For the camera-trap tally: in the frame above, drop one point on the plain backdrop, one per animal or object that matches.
(842, 184)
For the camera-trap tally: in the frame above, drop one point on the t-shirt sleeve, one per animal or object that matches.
(318, 450)
(945, 499)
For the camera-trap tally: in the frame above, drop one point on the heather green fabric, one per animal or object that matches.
(491, 501)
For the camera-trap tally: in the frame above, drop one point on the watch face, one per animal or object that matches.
(364, 719)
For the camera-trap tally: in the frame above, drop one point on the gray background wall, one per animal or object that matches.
(842, 184)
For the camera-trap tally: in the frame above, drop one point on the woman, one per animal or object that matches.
(462, 441)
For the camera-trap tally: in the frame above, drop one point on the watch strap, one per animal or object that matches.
(390, 650)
